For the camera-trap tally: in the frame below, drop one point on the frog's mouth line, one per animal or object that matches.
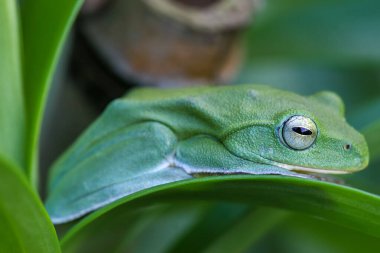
(308, 170)
(301, 169)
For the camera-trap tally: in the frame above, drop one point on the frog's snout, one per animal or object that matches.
(360, 150)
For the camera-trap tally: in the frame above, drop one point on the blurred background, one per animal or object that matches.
(303, 46)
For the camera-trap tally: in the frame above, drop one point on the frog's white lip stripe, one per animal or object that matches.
(306, 169)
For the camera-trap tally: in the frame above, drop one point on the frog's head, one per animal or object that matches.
(306, 134)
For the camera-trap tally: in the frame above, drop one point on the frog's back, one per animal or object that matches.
(205, 109)
(194, 110)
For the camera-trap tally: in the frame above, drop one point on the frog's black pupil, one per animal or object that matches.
(302, 131)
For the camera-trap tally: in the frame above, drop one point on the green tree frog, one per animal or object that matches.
(156, 136)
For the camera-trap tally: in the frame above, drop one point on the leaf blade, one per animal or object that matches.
(43, 42)
(12, 113)
(341, 205)
(24, 223)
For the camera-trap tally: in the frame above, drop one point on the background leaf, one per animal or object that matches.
(333, 31)
(45, 25)
(247, 231)
(299, 234)
(24, 223)
(12, 114)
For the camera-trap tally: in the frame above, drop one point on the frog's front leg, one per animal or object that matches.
(128, 160)
(205, 155)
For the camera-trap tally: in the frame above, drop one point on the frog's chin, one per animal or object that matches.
(309, 170)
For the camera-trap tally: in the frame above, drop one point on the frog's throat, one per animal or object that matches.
(306, 169)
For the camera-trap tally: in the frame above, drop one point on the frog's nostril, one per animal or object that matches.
(347, 146)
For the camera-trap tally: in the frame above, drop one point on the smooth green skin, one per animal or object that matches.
(155, 136)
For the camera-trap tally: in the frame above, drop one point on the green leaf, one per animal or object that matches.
(24, 223)
(339, 204)
(12, 114)
(216, 220)
(299, 234)
(45, 25)
(229, 228)
(248, 230)
(131, 230)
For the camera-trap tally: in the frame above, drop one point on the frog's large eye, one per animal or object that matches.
(299, 132)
